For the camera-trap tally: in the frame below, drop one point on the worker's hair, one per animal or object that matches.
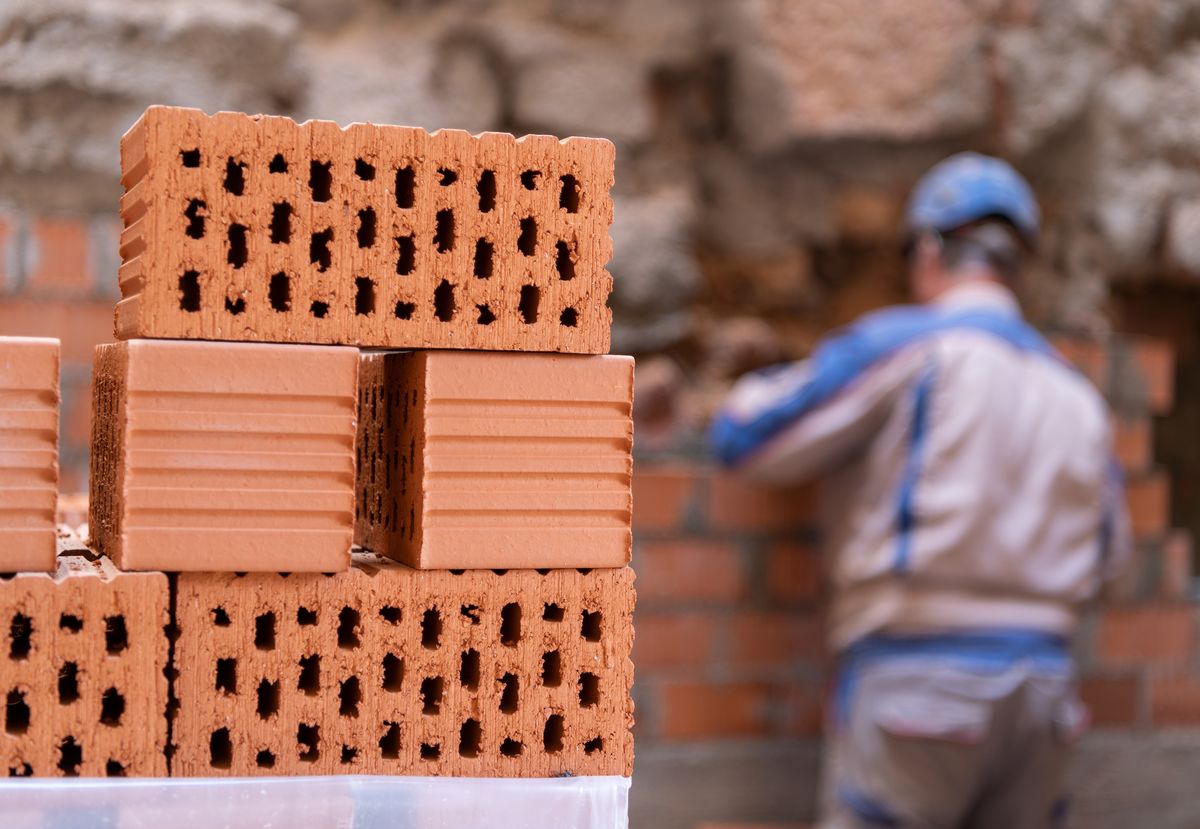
(991, 242)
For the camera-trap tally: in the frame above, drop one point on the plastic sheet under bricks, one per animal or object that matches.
(29, 463)
(495, 460)
(223, 456)
(82, 671)
(258, 228)
(389, 670)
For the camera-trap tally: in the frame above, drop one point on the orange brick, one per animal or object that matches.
(1155, 362)
(676, 641)
(61, 255)
(688, 570)
(1148, 498)
(1133, 443)
(735, 504)
(1111, 701)
(1146, 635)
(693, 710)
(1089, 357)
(1175, 700)
(775, 639)
(661, 495)
(794, 572)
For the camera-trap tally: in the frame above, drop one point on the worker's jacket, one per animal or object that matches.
(968, 473)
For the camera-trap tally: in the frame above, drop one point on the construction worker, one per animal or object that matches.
(973, 506)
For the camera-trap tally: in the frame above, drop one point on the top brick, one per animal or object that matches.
(258, 228)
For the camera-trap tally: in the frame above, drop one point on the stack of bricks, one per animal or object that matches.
(323, 560)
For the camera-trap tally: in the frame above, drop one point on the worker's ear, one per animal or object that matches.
(926, 273)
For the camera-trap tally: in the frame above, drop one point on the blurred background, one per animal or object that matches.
(765, 148)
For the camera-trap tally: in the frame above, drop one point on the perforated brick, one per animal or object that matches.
(389, 670)
(28, 453)
(258, 228)
(223, 456)
(82, 670)
(495, 460)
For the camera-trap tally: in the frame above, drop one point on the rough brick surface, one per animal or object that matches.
(223, 456)
(29, 461)
(241, 228)
(389, 670)
(82, 670)
(495, 460)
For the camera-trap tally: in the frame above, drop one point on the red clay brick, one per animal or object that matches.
(695, 711)
(1111, 701)
(673, 641)
(1149, 501)
(661, 495)
(29, 436)
(735, 504)
(689, 570)
(1089, 357)
(1146, 635)
(794, 572)
(775, 639)
(1177, 574)
(81, 326)
(384, 236)
(806, 710)
(495, 460)
(1133, 443)
(223, 456)
(61, 254)
(1155, 362)
(1175, 701)
(388, 670)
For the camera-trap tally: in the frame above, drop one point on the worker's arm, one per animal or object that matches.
(789, 423)
(1117, 535)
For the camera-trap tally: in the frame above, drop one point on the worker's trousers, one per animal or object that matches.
(952, 733)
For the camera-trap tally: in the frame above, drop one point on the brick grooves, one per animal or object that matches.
(258, 228)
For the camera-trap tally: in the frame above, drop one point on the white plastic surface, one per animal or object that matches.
(341, 802)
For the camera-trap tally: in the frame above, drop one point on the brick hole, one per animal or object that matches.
(235, 306)
(431, 695)
(527, 241)
(70, 757)
(391, 615)
(484, 251)
(189, 291)
(431, 628)
(114, 768)
(552, 735)
(70, 623)
(389, 743)
(510, 693)
(443, 236)
(116, 635)
(553, 612)
(23, 770)
(68, 683)
(319, 309)
(366, 227)
(112, 707)
(281, 223)
(268, 699)
(310, 675)
(279, 292)
(309, 739)
(468, 671)
(304, 616)
(511, 747)
(393, 672)
(591, 626)
(238, 253)
(531, 297)
(349, 754)
(510, 624)
(349, 696)
(541, 571)
(406, 255)
(364, 170)
(593, 745)
(470, 611)
(569, 318)
(498, 571)
(589, 689)
(564, 260)
(364, 296)
(404, 310)
(265, 759)
(220, 617)
(443, 302)
(568, 194)
(486, 317)
(319, 252)
(194, 213)
(446, 176)
(20, 635)
(470, 738)
(487, 191)
(278, 164)
(552, 669)
(529, 179)
(264, 631)
(431, 751)
(406, 185)
(320, 180)
(235, 176)
(190, 158)
(16, 713)
(226, 675)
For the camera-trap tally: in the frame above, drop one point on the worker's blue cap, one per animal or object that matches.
(969, 187)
